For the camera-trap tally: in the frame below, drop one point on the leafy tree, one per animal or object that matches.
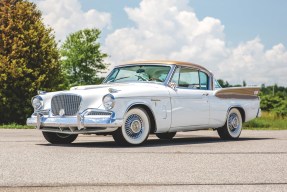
(268, 102)
(28, 59)
(82, 58)
(281, 108)
(223, 83)
(276, 104)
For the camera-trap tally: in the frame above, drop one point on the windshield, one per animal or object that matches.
(150, 73)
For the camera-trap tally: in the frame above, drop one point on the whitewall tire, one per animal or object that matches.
(135, 129)
(233, 125)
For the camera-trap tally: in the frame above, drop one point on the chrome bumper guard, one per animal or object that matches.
(89, 121)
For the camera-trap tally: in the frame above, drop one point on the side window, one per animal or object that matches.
(203, 80)
(216, 84)
(189, 78)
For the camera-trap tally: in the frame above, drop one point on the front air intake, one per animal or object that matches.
(66, 104)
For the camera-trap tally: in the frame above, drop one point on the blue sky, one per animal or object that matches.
(236, 39)
(243, 19)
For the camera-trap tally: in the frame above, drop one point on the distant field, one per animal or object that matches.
(267, 121)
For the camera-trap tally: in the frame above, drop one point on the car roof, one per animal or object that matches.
(168, 62)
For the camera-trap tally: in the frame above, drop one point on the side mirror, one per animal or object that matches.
(172, 85)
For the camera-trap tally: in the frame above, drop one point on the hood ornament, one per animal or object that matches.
(112, 90)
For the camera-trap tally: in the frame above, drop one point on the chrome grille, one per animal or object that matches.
(70, 103)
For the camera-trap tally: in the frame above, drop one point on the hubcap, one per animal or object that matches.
(134, 126)
(233, 122)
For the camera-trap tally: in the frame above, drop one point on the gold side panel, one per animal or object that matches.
(238, 93)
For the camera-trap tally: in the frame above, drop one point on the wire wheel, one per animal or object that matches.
(233, 123)
(136, 128)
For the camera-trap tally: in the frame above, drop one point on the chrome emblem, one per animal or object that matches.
(62, 112)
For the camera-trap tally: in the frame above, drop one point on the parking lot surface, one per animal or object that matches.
(192, 161)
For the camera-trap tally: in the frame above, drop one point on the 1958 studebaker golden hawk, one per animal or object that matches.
(136, 99)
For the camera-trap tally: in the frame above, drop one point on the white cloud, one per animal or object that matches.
(67, 16)
(170, 29)
(250, 61)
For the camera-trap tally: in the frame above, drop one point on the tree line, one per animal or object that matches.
(31, 59)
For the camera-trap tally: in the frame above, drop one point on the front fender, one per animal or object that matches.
(159, 106)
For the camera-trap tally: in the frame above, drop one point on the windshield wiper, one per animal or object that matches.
(113, 80)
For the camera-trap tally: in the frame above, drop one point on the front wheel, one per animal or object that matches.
(166, 136)
(233, 125)
(59, 138)
(135, 130)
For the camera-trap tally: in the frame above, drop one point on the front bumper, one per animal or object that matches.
(100, 121)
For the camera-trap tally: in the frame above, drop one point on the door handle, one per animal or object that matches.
(205, 94)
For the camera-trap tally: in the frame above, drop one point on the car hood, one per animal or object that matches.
(92, 94)
(124, 89)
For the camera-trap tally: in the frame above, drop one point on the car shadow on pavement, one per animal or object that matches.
(153, 142)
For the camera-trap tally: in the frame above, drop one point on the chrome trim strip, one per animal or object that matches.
(83, 131)
(144, 97)
(169, 76)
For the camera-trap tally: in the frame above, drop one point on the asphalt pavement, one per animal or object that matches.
(192, 161)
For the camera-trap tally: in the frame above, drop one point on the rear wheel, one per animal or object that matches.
(135, 130)
(233, 125)
(166, 136)
(59, 138)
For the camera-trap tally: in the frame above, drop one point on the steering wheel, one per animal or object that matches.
(142, 78)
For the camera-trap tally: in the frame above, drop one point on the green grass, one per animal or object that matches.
(268, 121)
(15, 126)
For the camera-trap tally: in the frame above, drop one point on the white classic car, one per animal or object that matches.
(142, 98)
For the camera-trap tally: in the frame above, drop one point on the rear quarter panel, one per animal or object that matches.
(241, 97)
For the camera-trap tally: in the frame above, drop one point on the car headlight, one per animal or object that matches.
(108, 101)
(37, 102)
